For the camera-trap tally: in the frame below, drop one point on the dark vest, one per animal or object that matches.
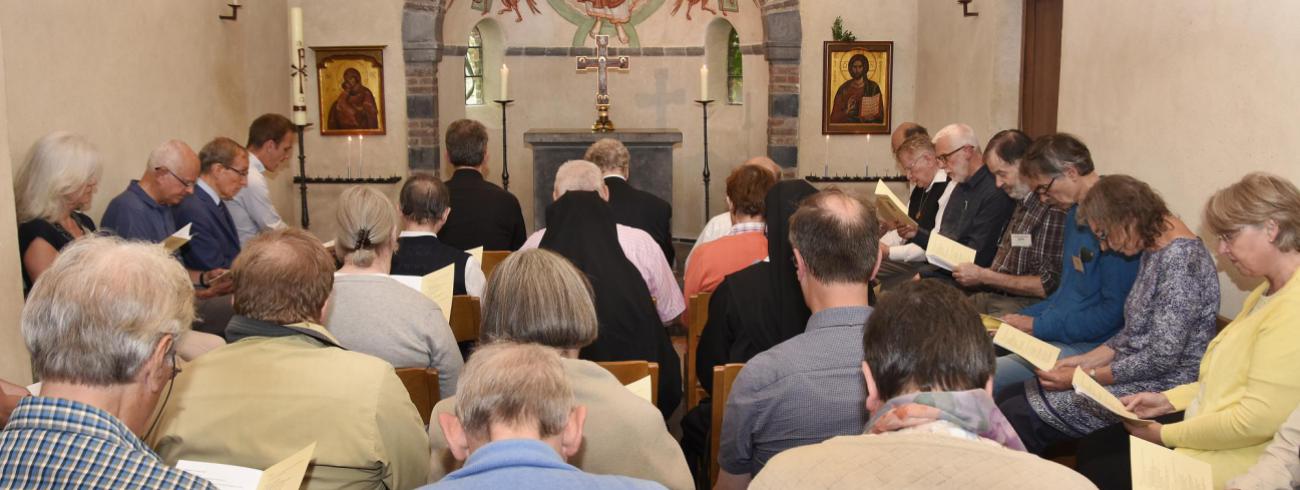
(420, 255)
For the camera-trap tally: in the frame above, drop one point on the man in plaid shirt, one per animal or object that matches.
(1027, 266)
(102, 325)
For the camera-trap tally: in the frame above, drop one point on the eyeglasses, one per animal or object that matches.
(186, 183)
(910, 166)
(242, 173)
(1102, 236)
(944, 157)
(1043, 189)
(1228, 237)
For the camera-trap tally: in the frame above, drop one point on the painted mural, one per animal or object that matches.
(616, 18)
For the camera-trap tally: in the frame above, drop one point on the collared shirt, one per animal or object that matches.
(134, 215)
(906, 251)
(251, 208)
(209, 191)
(58, 443)
(717, 227)
(750, 227)
(644, 253)
(975, 217)
(474, 277)
(1045, 228)
(802, 391)
(528, 463)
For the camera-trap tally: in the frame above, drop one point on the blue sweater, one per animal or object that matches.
(1088, 306)
(529, 463)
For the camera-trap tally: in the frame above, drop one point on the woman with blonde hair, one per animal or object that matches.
(56, 183)
(1246, 386)
(538, 297)
(372, 313)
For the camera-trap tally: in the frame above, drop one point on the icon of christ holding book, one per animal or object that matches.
(858, 100)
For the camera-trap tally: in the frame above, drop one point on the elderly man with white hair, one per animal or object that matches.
(632, 207)
(638, 246)
(977, 212)
(102, 325)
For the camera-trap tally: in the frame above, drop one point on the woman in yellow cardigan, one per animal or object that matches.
(1247, 385)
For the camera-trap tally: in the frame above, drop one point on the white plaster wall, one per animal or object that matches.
(14, 364)
(657, 92)
(870, 20)
(969, 67)
(1188, 96)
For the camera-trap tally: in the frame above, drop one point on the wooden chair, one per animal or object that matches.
(723, 377)
(1221, 322)
(422, 385)
(491, 259)
(466, 317)
(628, 372)
(697, 311)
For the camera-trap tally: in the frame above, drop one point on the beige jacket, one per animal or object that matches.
(912, 460)
(1279, 466)
(258, 400)
(624, 435)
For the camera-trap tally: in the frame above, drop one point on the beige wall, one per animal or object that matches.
(968, 68)
(14, 364)
(889, 20)
(1188, 96)
(131, 75)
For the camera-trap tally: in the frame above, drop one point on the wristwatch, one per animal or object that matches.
(1093, 372)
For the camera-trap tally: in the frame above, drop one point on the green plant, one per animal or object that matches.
(839, 34)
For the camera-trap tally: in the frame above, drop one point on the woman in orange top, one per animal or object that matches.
(747, 243)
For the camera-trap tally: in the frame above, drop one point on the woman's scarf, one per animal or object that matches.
(973, 411)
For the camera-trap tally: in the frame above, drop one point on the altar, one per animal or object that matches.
(650, 168)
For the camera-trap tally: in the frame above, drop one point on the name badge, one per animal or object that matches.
(1021, 240)
(1078, 263)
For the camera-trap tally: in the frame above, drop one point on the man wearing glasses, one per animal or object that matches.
(930, 194)
(223, 171)
(143, 210)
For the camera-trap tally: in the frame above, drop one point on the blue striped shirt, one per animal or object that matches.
(57, 443)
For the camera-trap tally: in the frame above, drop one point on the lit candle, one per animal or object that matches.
(505, 82)
(866, 164)
(704, 82)
(826, 172)
(297, 59)
(349, 152)
(361, 156)
(233, 3)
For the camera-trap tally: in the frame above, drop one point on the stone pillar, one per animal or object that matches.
(422, 50)
(783, 36)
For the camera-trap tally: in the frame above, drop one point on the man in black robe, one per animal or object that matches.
(632, 207)
(486, 215)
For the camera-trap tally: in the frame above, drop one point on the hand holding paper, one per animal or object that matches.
(947, 253)
(1041, 354)
(1088, 387)
(178, 239)
(890, 207)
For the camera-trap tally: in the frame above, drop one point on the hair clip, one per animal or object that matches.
(363, 239)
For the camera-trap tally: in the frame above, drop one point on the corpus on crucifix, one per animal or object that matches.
(602, 64)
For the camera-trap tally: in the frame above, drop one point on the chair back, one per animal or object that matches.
(628, 372)
(697, 313)
(422, 385)
(466, 317)
(723, 377)
(491, 259)
(1220, 323)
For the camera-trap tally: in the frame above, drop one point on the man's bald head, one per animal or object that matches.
(173, 154)
(903, 132)
(171, 172)
(836, 235)
(766, 164)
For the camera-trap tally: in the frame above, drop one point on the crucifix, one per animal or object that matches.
(601, 64)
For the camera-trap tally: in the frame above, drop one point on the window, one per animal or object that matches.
(735, 70)
(474, 69)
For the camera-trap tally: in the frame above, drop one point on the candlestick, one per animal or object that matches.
(298, 61)
(505, 82)
(361, 156)
(704, 82)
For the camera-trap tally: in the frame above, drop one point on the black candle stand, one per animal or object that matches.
(505, 148)
(704, 107)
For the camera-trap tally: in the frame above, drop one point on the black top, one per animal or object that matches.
(482, 214)
(644, 211)
(762, 305)
(420, 255)
(580, 226)
(53, 234)
(976, 215)
(923, 205)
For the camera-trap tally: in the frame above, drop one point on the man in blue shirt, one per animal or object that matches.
(102, 368)
(223, 171)
(144, 210)
(1088, 306)
(516, 422)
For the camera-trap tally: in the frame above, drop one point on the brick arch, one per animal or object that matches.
(422, 50)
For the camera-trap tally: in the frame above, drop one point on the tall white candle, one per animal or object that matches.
(866, 164)
(704, 82)
(349, 152)
(361, 156)
(826, 171)
(298, 59)
(505, 82)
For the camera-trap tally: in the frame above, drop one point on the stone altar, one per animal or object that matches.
(650, 169)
